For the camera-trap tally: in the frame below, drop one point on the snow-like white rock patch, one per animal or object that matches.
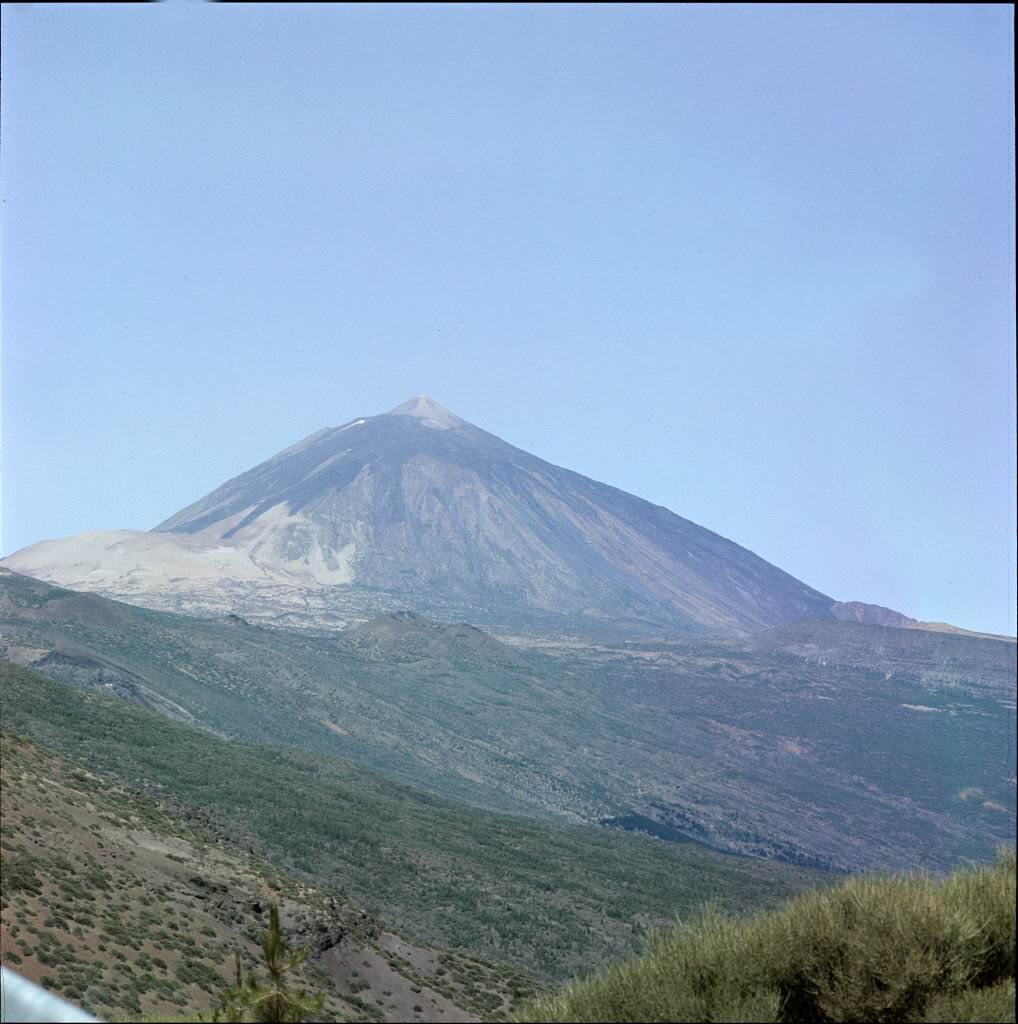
(276, 548)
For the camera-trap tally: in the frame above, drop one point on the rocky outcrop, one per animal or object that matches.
(870, 614)
(330, 923)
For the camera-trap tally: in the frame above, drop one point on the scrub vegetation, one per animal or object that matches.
(548, 899)
(884, 949)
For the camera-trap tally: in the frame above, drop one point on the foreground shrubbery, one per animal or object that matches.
(874, 949)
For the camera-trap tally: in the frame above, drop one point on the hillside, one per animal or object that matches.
(549, 899)
(128, 909)
(824, 742)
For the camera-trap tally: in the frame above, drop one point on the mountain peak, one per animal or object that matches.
(428, 411)
(418, 508)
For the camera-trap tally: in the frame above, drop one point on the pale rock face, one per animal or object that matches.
(429, 412)
(418, 508)
(278, 546)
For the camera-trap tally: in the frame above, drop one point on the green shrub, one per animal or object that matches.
(989, 897)
(19, 874)
(874, 949)
(993, 1005)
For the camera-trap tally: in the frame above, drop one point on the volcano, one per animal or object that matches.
(419, 509)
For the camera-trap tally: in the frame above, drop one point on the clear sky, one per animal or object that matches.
(755, 264)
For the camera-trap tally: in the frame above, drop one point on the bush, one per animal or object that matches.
(994, 1005)
(874, 949)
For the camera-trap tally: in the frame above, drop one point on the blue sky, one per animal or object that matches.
(755, 264)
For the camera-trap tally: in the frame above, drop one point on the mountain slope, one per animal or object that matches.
(831, 742)
(550, 898)
(133, 908)
(418, 508)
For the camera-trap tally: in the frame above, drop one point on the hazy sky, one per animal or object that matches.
(755, 264)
